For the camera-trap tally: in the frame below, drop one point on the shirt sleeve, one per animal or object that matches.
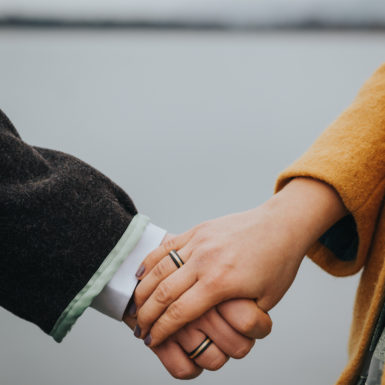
(113, 299)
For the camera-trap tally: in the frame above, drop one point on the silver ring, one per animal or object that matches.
(176, 258)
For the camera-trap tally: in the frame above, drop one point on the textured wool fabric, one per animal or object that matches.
(350, 157)
(59, 220)
(102, 276)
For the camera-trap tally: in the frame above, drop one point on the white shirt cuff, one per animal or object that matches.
(114, 298)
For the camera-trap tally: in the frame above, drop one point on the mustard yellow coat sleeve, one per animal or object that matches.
(350, 156)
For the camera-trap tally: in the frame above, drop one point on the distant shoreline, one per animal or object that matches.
(63, 23)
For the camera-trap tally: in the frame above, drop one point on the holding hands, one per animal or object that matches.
(255, 255)
(229, 330)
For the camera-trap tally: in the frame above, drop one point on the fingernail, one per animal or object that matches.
(132, 309)
(137, 331)
(147, 340)
(140, 271)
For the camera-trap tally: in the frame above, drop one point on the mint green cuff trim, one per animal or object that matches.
(102, 276)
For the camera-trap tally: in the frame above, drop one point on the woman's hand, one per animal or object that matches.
(255, 254)
(245, 318)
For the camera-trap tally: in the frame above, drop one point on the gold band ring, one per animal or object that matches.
(176, 258)
(200, 348)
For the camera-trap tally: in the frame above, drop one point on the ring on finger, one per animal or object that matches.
(176, 258)
(200, 348)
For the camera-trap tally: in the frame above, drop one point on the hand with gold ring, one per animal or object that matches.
(208, 342)
(255, 254)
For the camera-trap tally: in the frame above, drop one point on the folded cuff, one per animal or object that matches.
(343, 249)
(115, 296)
(101, 277)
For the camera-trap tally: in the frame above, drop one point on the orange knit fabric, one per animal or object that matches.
(350, 156)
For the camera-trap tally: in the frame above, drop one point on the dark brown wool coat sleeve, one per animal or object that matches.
(59, 219)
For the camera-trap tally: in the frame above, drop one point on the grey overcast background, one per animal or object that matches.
(192, 126)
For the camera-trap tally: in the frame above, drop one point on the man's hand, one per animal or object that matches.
(232, 326)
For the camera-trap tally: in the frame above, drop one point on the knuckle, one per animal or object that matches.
(249, 324)
(212, 285)
(184, 373)
(201, 238)
(160, 330)
(210, 318)
(175, 311)
(159, 270)
(258, 324)
(205, 252)
(168, 245)
(264, 327)
(218, 282)
(269, 327)
(201, 234)
(223, 272)
(243, 350)
(162, 294)
(216, 363)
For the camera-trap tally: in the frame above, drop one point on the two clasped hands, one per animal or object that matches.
(204, 295)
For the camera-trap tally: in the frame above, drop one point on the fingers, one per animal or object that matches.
(175, 243)
(129, 320)
(191, 305)
(173, 357)
(165, 267)
(190, 338)
(167, 292)
(225, 340)
(173, 353)
(176, 361)
(246, 317)
(223, 335)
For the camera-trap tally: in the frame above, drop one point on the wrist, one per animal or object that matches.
(306, 208)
